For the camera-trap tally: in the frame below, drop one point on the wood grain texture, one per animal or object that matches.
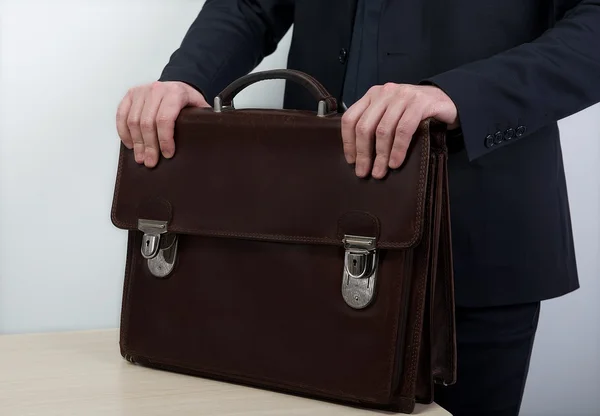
(82, 373)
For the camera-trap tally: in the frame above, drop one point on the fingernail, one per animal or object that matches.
(167, 154)
(378, 171)
(148, 160)
(360, 170)
(139, 157)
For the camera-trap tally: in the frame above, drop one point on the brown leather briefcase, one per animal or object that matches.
(257, 256)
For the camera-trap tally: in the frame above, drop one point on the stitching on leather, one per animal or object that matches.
(130, 262)
(417, 334)
(373, 217)
(422, 185)
(229, 374)
(445, 371)
(154, 201)
(267, 237)
(448, 310)
(261, 236)
(447, 306)
(382, 244)
(394, 338)
(418, 317)
(117, 189)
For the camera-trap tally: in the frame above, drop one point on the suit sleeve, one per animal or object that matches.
(508, 96)
(228, 39)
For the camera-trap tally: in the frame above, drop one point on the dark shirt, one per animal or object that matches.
(362, 72)
(362, 58)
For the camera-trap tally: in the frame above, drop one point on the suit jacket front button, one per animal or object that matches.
(521, 131)
(343, 55)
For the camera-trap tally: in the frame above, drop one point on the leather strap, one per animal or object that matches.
(225, 98)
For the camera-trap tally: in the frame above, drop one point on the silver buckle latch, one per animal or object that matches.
(360, 271)
(159, 247)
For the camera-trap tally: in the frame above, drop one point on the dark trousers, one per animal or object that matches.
(494, 350)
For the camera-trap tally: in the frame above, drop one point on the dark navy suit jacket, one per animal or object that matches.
(512, 67)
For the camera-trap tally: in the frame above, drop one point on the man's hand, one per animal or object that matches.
(382, 123)
(146, 118)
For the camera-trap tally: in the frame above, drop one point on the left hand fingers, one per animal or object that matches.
(366, 135)
(385, 133)
(389, 115)
(404, 132)
(349, 121)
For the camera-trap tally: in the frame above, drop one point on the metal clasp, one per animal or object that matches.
(218, 105)
(159, 247)
(360, 271)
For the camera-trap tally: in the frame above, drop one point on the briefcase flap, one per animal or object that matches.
(273, 175)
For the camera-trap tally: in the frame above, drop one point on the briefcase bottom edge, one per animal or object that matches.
(404, 405)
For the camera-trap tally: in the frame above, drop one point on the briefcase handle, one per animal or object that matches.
(327, 104)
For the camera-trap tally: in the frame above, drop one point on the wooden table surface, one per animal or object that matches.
(82, 373)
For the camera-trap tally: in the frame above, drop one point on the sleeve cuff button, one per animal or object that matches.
(509, 134)
(498, 137)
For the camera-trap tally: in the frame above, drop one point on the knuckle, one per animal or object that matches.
(137, 90)
(156, 85)
(347, 141)
(121, 114)
(402, 131)
(349, 122)
(363, 129)
(363, 152)
(400, 146)
(178, 88)
(418, 98)
(390, 87)
(382, 148)
(164, 141)
(382, 153)
(165, 120)
(375, 89)
(407, 92)
(383, 131)
(396, 160)
(417, 94)
(147, 124)
(348, 119)
(133, 121)
(362, 155)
